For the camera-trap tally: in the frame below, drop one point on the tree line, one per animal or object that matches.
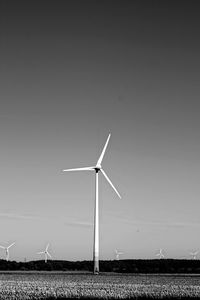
(118, 266)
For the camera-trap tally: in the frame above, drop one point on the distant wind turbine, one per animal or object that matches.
(7, 250)
(46, 253)
(194, 254)
(160, 254)
(117, 254)
(97, 168)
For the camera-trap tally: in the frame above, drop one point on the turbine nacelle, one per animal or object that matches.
(98, 168)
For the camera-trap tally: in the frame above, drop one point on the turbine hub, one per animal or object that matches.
(97, 168)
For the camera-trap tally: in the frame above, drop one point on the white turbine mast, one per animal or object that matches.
(160, 254)
(97, 168)
(194, 254)
(7, 250)
(117, 254)
(46, 253)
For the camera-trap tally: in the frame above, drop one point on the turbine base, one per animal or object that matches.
(96, 271)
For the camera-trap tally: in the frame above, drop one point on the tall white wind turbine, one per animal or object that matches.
(117, 254)
(46, 253)
(160, 254)
(7, 250)
(97, 168)
(194, 254)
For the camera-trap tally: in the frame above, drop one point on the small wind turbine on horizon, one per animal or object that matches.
(194, 254)
(97, 168)
(160, 254)
(46, 253)
(117, 254)
(7, 250)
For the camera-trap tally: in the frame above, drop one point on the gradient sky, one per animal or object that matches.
(70, 73)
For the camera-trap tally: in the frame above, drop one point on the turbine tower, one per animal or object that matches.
(7, 250)
(194, 254)
(46, 253)
(97, 168)
(160, 254)
(117, 254)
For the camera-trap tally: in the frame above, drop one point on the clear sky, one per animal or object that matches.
(70, 73)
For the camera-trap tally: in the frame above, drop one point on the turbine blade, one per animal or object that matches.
(103, 151)
(111, 183)
(2, 247)
(40, 252)
(49, 254)
(10, 245)
(80, 169)
(47, 247)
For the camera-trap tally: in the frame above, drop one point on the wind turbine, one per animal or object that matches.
(46, 253)
(117, 254)
(160, 254)
(97, 168)
(194, 254)
(7, 250)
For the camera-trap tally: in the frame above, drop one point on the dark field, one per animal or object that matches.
(61, 285)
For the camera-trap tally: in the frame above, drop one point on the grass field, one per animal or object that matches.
(104, 286)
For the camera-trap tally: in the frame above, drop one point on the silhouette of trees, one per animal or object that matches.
(118, 266)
